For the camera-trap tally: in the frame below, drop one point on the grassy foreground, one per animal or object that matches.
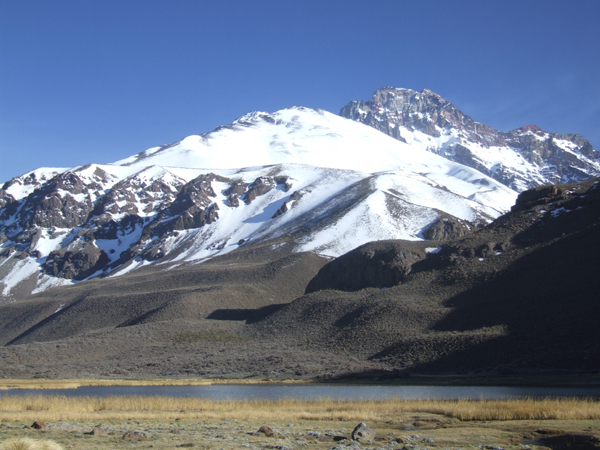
(118, 423)
(40, 407)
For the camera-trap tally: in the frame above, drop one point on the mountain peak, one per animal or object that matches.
(317, 181)
(532, 128)
(405, 95)
(252, 115)
(521, 159)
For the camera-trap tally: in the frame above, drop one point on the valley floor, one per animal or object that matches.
(409, 431)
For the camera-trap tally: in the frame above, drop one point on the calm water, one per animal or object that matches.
(306, 392)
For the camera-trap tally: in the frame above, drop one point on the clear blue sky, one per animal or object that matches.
(98, 80)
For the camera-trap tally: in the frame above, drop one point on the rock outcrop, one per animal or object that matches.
(520, 159)
(377, 264)
(362, 432)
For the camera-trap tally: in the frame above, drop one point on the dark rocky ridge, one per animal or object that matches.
(376, 264)
(396, 111)
(518, 296)
(515, 297)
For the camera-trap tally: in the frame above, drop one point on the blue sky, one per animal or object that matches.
(96, 81)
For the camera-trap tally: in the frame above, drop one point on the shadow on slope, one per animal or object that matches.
(245, 315)
(539, 314)
(519, 295)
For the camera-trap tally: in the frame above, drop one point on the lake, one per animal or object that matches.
(314, 391)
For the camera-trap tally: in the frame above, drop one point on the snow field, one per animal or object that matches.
(373, 185)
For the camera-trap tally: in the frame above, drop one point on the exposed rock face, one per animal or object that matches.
(377, 264)
(26, 183)
(520, 159)
(447, 228)
(193, 206)
(539, 196)
(287, 205)
(96, 210)
(76, 264)
(5, 198)
(260, 186)
(62, 203)
(146, 210)
(234, 192)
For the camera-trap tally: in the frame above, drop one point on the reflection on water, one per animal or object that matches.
(312, 391)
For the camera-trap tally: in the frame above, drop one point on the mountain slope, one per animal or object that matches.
(325, 183)
(516, 297)
(520, 159)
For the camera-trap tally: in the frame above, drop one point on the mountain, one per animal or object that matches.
(515, 298)
(295, 244)
(520, 159)
(306, 177)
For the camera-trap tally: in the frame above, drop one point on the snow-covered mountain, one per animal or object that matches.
(302, 177)
(521, 159)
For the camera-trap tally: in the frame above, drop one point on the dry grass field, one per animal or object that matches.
(91, 423)
(7, 384)
(49, 408)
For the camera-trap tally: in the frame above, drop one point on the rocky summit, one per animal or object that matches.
(521, 159)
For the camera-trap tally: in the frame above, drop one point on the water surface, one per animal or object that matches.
(315, 391)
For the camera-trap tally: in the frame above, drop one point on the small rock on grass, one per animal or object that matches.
(134, 437)
(363, 432)
(97, 432)
(267, 431)
(37, 426)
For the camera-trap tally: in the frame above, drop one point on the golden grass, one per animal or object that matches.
(7, 384)
(52, 408)
(29, 444)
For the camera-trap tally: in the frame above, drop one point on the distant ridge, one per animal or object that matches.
(520, 159)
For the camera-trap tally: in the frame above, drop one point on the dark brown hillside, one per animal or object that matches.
(250, 279)
(520, 295)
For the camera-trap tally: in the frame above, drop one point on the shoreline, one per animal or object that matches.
(579, 381)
